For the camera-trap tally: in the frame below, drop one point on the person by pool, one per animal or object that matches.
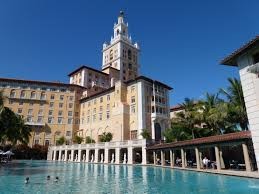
(48, 177)
(26, 180)
(56, 180)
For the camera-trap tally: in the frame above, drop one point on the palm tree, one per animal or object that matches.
(88, 139)
(78, 139)
(145, 134)
(61, 140)
(190, 116)
(106, 137)
(237, 109)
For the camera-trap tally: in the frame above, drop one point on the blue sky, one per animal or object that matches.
(181, 42)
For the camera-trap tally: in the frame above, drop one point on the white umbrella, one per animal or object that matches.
(1, 152)
(8, 153)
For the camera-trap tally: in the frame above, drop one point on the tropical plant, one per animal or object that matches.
(77, 139)
(106, 137)
(190, 116)
(146, 134)
(235, 97)
(88, 139)
(13, 128)
(61, 141)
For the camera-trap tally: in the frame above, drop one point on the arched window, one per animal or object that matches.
(111, 54)
(43, 96)
(129, 54)
(118, 31)
(12, 94)
(23, 94)
(33, 94)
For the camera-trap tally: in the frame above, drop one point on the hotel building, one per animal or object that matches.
(114, 99)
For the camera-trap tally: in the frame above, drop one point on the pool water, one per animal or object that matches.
(101, 178)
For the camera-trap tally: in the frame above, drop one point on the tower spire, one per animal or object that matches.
(121, 17)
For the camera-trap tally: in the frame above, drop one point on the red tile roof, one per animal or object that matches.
(59, 84)
(231, 59)
(204, 140)
(86, 67)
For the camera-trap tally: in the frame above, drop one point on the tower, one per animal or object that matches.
(121, 53)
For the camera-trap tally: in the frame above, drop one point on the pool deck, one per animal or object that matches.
(240, 173)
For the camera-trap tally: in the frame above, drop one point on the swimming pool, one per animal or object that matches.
(100, 178)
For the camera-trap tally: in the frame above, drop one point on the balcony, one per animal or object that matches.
(31, 123)
(24, 98)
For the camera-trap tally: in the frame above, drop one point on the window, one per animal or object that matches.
(29, 119)
(31, 104)
(46, 142)
(76, 114)
(88, 119)
(69, 121)
(41, 104)
(60, 120)
(19, 110)
(133, 99)
(94, 118)
(132, 88)
(129, 54)
(68, 133)
(71, 98)
(133, 108)
(52, 96)
(101, 108)
(43, 96)
(70, 105)
(33, 95)
(60, 105)
(10, 101)
(12, 94)
(94, 101)
(133, 134)
(70, 113)
(50, 112)
(30, 112)
(89, 104)
(40, 119)
(40, 112)
(101, 99)
(60, 112)
(51, 104)
(94, 110)
(23, 94)
(256, 58)
(50, 120)
(108, 97)
(61, 97)
(111, 54)
(108, 114)
(100, 116)
(108, 106)
(130, 66)
(20, 103)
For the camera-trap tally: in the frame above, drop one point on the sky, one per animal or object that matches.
(182, 42)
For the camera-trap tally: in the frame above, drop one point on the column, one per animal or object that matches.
(246, 157)
(106, 155)
(197, 155)
(200, 156)
(59, 155)
(154, 157)
(65, 155)
(185, 159)
(87, 155)
(182, 157)
(144, 156)
(96, 154)
(162, 158)
(55, 155)
(72, 155)
(217, 158)
(172, 158)
(130, 155)
(79, 155)
(222, 164)
(117, 155)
